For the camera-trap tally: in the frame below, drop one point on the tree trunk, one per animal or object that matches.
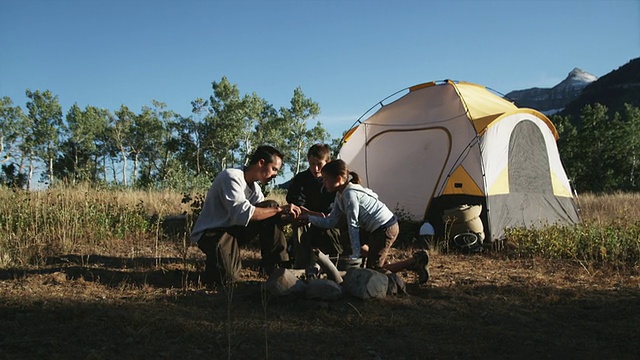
(298, 156)
(104, 170)
(124, 168)
(113, 170)
(50, 171)
(198, 161)
(75, 165)
(30, 174)
(6, 157)
(134, 176)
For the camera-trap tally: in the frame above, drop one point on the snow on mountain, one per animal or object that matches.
(553, 100)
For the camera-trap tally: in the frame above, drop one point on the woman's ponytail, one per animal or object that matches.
(355, 178)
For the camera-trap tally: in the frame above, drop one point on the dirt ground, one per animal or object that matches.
(482, 306)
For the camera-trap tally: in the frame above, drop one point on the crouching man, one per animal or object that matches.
(235, 211)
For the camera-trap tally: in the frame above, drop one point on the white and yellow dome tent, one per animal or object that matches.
(445, 144)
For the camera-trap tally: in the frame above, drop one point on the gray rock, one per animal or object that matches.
(396, 285)
(323, 289)
(284, 282)
(365, 283)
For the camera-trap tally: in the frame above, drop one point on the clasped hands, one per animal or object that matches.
(299, 213)
(291, 211)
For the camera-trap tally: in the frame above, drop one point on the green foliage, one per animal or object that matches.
(10, 120)
(615, 243)
(11, 177)
(299, 137)
(223, 127)
(408, 235)
(44, 134)
(78, 160)
(601, 153)
(155, 147)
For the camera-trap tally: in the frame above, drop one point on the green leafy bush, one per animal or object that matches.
(615, 242)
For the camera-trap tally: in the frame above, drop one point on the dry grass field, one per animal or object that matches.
(136, 296)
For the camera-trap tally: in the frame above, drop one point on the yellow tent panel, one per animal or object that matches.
(482, 103)
(461, 183)
(501, 185)
(558, 188)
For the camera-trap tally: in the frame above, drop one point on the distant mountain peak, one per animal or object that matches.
(552, 100)
(578, 76)
(613, 90)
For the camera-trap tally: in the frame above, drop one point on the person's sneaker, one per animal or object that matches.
(422, 266)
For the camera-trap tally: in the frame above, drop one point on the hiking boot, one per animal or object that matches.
(421, 266)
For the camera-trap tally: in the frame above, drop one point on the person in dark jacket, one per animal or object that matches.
(306, 190)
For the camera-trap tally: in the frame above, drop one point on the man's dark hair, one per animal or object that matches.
(266, 153)
(320, 151)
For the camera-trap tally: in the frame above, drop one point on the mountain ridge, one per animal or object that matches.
(613, 90)
(552, 100)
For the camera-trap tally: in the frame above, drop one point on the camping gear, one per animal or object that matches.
(444, 144)
(467, 242)
(464, 227)
(464, 219)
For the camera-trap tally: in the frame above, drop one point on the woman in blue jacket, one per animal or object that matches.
(372, 227)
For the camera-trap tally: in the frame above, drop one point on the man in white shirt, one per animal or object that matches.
(235, 211)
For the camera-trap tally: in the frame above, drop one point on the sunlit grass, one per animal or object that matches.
(609, 233)
(614, 243)
(84, 220)
(40, 224)
(36, 225)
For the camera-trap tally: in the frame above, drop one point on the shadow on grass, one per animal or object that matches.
(114, 271)
(441, 323)
(527, 317)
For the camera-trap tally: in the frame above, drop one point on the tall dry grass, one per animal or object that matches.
(83, 220)
(36, 225)
(605, 208)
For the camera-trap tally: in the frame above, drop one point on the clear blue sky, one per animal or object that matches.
(346, 55)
